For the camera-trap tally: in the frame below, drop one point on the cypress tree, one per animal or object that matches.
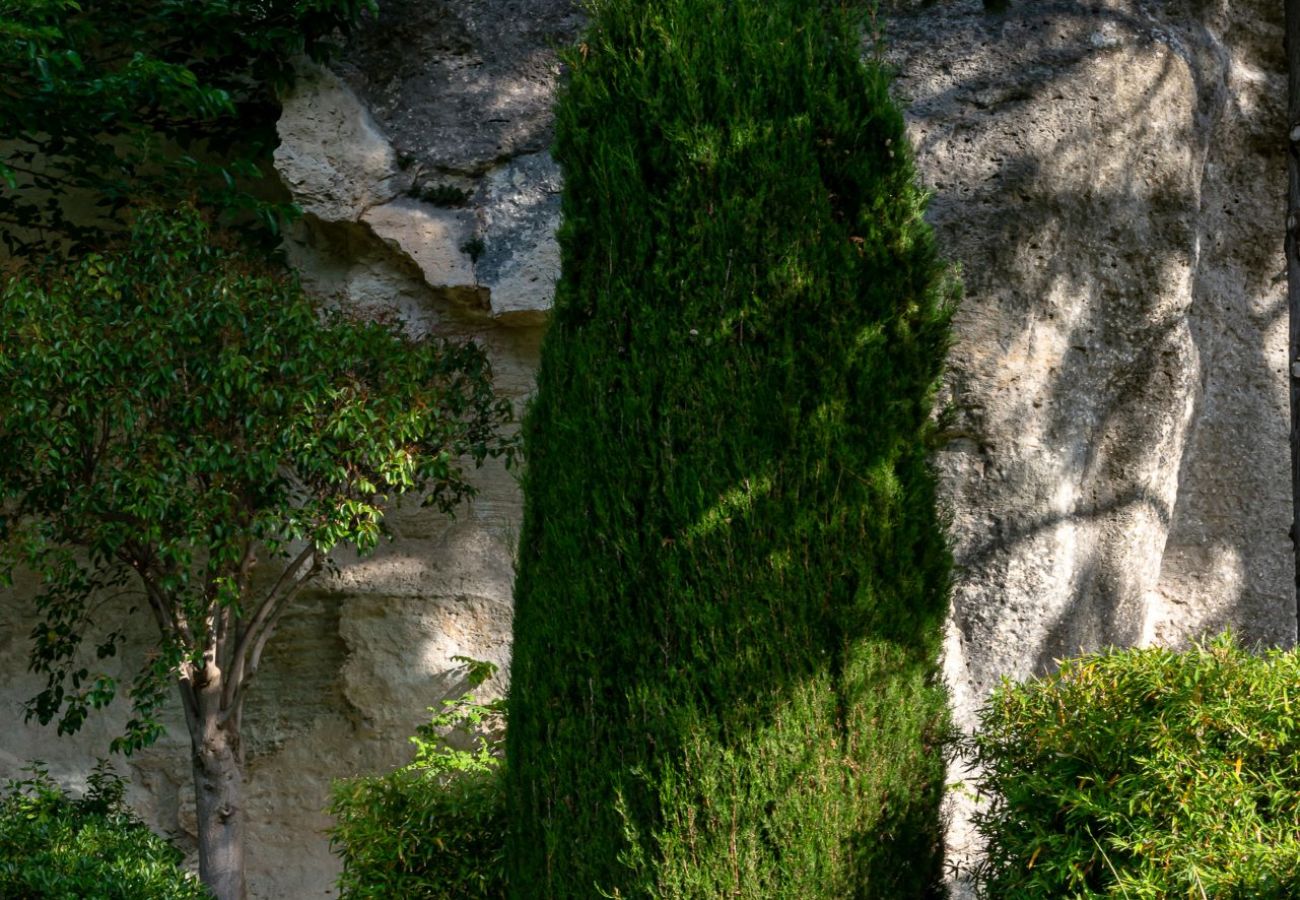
(732, 579)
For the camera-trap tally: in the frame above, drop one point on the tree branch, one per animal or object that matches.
(255, 656)
(227, 630)
(169, 626)
(189, 699)
(254, 636)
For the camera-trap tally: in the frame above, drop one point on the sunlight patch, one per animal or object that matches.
(737, 500)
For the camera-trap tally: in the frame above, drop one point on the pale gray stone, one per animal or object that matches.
(332, 156)
(1109, 178)
(463, 86)
(518, 215)
(436, 240)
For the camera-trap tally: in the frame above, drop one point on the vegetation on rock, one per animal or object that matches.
(732, 579)
(434, 829)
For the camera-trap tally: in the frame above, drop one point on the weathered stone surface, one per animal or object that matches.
(436, 240)
(461, 87)
(1067, 179)
(332, 157)
(1110, 176)
(519, 211)
(458, 181)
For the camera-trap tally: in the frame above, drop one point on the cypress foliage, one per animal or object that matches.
(732, 579)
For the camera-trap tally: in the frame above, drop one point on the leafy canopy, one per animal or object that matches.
(174, 414)
(108, 101)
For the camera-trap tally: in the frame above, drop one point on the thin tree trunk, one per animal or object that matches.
(1293, 265)
(219, 796)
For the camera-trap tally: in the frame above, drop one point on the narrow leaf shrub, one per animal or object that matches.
(1145, 774)
(732, 578)
(435, 829)
(58, 847)
(409, 834)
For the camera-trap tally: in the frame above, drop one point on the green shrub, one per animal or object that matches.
(433, 830)
(1144, 774)
(732, 579)
(58, 847)
(411, 835)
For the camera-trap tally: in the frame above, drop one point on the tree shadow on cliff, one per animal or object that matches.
(473, 84)
(1090, 446)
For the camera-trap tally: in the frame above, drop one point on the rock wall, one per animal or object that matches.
(1111, 176)
(1108, 173)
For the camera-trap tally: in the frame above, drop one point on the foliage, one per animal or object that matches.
(732, 579)
(435, 828)
(110, 101)
(481, 723)
(172, 416)
(58, 847)
(1144, 774)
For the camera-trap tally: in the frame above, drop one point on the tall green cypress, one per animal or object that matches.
(732, 579)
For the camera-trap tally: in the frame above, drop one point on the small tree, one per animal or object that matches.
(732, 578)
(171, 418)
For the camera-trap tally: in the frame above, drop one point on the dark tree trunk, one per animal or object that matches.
(219, 796)
(1293, 263)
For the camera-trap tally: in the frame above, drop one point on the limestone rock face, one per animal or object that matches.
(1110, 176)
(1110, 179)
(332, 157)
(430, 145)
(434, 239)
(518, 214)
(460, 87)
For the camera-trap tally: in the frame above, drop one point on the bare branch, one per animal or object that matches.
(212, 625)
(189, 697)
(162, 612)
(227, 628)
(249, 668)
(283, 604)
(245, 568)
(286, 579)
(251, 637)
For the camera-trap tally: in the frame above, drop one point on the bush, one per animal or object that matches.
(732, 580)
(58, 847)
(434, 830)
(1143, 774)
(408, 834)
